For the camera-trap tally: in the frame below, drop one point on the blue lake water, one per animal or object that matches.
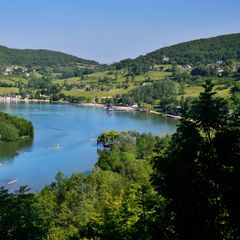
(65, 140)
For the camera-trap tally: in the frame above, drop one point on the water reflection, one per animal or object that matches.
(8, 151)
(143, 116)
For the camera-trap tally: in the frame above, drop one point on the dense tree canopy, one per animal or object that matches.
(12, 128)
(202, 51)
(197, 173)
(162, 93)
(29, 57)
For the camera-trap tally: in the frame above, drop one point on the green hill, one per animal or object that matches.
(41, 57)
(202, 51)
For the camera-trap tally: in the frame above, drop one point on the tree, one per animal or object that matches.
(197, 174)
(116, 76)
(235, 95)
(201, 71)
(19, 218)
(207, 112)
(227, 142)
(160, 91)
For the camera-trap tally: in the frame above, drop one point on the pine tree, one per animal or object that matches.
(198, 172)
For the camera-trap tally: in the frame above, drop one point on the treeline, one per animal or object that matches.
(162, 93)
(134, 67)
(44, 88)
(13, 128)
(202, 51)
(30, 58)
(75, 72)
(144, 187)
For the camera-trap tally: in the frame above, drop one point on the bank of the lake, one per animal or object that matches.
(65, 140)
(91, 104)
(131, 109)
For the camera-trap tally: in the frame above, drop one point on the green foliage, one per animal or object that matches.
(197, 173)
(109, 203)
(129, 154)
(8, 132)
(19, 219)
(39, 83)
(108, 137)
(162, 92)
(207, 112)
(38, 58)
(203, 71)
(12, 128)
(202, 51)
(235, 95)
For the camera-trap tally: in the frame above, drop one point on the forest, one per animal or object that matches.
(201, 51)
(162, 93)
(178, 187)
(41, 57)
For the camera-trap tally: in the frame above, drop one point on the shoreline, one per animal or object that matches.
(97, 105)
(130, 109)
(166, 115)
(23, 100)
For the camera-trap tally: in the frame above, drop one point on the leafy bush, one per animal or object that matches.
(8, 132)
(12, 127)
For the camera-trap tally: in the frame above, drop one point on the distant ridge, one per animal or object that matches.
(39, 57)
(201, 51)
(207, 50)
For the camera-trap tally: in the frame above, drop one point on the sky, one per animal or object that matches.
(111, 30)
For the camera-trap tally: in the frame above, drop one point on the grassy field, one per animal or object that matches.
(193, 91)
(223, 93)
(8, 90)
(94, 77)
(158, 75)
(92, 94)
(12, 79)
(5, 80)
(190, 91)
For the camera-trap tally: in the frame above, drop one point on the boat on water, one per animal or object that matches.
(55, 146)
(11, 182)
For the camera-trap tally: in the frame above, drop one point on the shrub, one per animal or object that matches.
(8, 132)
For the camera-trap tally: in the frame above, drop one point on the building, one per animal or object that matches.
(186, 67)
(165, 59)
(8, 71)
(5, 98)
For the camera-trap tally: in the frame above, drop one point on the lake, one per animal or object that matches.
(65, 140)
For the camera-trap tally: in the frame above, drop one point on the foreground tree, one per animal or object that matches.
(197, 173)
(19, 218)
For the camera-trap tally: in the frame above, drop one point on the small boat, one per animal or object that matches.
(11, 182)
(55, 146)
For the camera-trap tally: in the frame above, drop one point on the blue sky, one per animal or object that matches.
(111, 30)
